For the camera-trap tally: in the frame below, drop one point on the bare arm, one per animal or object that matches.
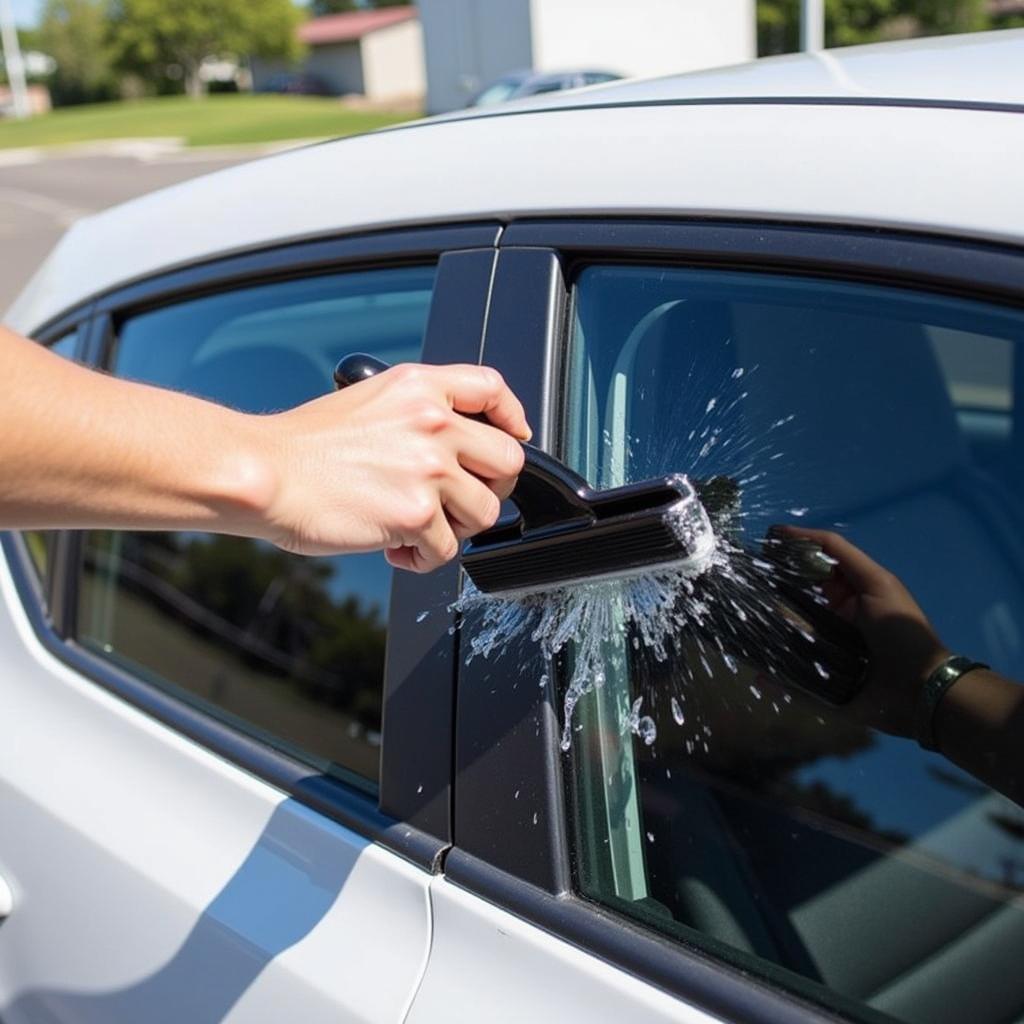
(387, 464)
(979, 723)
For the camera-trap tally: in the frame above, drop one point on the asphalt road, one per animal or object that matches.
(40, 199)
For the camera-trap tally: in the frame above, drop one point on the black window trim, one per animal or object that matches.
(415, 824)
(498, 854)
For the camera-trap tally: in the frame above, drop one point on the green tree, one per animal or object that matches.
(848, 22)
(157, 39)
(74, 34)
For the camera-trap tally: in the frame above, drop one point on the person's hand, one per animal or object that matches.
(903, 646)
(390, 463)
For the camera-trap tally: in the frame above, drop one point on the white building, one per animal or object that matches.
(373, 53)
(469, 43)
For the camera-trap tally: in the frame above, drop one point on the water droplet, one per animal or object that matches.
(515, 796)
(647, 730)
(535, 817)
(677, 712)
(650, 837)
(821, 670)
(798, 512)
(422, 616)
(419, 788)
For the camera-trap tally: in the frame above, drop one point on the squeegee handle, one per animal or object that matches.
(547, 490)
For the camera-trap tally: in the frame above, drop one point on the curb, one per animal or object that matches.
(145, 150)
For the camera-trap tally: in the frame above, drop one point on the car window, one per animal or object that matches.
(759, 821)
(288, 648)
(38, 541)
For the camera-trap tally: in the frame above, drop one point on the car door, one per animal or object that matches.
(717, 840)
(217, 803)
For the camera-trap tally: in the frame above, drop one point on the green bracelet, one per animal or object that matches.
(934, 689)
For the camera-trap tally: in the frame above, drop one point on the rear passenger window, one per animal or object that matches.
(288, 648)
(763, 823)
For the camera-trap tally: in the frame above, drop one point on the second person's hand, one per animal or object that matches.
(904, 647)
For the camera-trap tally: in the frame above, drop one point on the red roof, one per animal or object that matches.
(343, 28)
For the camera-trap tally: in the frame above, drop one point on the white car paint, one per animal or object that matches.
(144, 869)
(153, 881)
(840, 164)
(487, 965)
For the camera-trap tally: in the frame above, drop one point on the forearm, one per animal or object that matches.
(81, 449)
(979, 725)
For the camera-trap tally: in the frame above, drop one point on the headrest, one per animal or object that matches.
(872, 416)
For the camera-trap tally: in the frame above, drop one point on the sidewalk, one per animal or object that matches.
(153, 150)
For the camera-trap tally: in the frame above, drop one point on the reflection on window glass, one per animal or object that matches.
(287, 647)
(763, 822)
(38, 541)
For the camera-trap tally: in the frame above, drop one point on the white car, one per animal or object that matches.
(238, 785)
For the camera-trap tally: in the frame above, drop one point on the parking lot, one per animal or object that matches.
(40, 198)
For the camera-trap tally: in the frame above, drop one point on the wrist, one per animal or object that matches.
(246, 481)
(933, 694)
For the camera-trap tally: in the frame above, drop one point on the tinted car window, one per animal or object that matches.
(38, 541)
(761, 821)
(286, 647)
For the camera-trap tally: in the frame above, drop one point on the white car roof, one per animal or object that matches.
(764, 141)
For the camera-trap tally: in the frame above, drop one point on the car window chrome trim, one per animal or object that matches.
(416, 826)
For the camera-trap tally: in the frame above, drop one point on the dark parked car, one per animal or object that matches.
(297, 84)
(518, 84)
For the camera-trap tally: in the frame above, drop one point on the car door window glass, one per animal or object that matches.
(286, 647)
(38, 542)
(762, 822)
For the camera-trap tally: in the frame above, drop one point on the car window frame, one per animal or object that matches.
(512, 848)
(413, 820)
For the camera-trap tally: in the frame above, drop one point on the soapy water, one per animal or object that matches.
(721, 604)
(719, 607)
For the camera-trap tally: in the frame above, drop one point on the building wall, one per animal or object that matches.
(340, 65)
(469, 43)
(643, 37)
(393, 62)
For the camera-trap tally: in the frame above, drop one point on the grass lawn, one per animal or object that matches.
(213, 121)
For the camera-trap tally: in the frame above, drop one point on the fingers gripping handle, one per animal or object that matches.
(547, 491)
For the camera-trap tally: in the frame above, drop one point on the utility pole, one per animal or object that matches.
(13, 63)
(812, 24)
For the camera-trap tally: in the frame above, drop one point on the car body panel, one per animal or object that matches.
(747, 162)
(154, 881)
(487, 964)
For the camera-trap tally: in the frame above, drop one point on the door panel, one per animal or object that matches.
(486, 964)
(159, 879)
(154, 881)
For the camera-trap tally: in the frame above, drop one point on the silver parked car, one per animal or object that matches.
(239, 785)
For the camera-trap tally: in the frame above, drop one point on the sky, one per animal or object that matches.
(26, 12)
